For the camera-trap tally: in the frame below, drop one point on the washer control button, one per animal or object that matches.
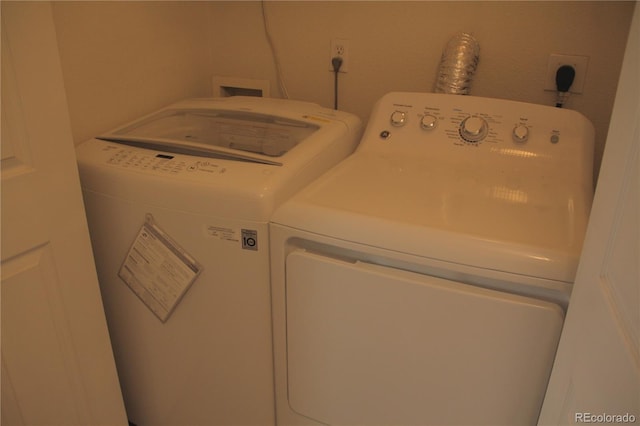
(428, 122)
(398, 118)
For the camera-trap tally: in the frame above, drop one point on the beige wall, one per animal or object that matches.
(123, 59)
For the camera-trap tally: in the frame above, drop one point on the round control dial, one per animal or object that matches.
(520, 133)
(474, 128)
(428, 122)
(398, 118)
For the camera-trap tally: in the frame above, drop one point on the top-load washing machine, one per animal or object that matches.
(178, 205)
(424, 280)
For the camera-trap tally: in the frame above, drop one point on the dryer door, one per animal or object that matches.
(369, 344)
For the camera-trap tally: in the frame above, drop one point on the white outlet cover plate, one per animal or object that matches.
(345, 43)
(579, 63)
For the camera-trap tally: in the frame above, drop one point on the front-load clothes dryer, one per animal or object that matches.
(424, 279)
(178, 205)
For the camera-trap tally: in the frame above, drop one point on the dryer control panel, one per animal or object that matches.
(481, 136)
(424, 123)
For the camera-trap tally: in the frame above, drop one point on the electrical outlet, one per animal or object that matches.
(579, 63)
(340, 48)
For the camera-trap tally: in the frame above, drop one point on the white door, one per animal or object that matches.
(57, 363)
(596, 376)
(374, 345)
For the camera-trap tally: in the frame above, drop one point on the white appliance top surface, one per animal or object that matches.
(514, 206)
(237, 156)
(242, 128)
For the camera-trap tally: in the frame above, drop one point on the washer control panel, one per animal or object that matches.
(161, 163)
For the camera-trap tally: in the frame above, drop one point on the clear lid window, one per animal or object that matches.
(243, 131)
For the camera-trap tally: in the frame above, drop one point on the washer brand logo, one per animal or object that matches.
(250, 239)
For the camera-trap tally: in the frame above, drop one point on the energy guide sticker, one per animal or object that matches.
(158, 270)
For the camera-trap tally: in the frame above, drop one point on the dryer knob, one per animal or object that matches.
(520, 133)
(428, 122)
(474, 129)
(398, 118)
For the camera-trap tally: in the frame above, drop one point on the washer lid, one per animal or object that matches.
(438, 210)
(216, 133)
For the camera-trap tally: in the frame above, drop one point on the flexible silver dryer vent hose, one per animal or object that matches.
(458, 65)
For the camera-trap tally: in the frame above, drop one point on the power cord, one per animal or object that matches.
(274, 53)
(564, 80)
(336, 62)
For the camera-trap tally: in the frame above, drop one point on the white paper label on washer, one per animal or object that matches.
(222, 233)
(158, 270)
